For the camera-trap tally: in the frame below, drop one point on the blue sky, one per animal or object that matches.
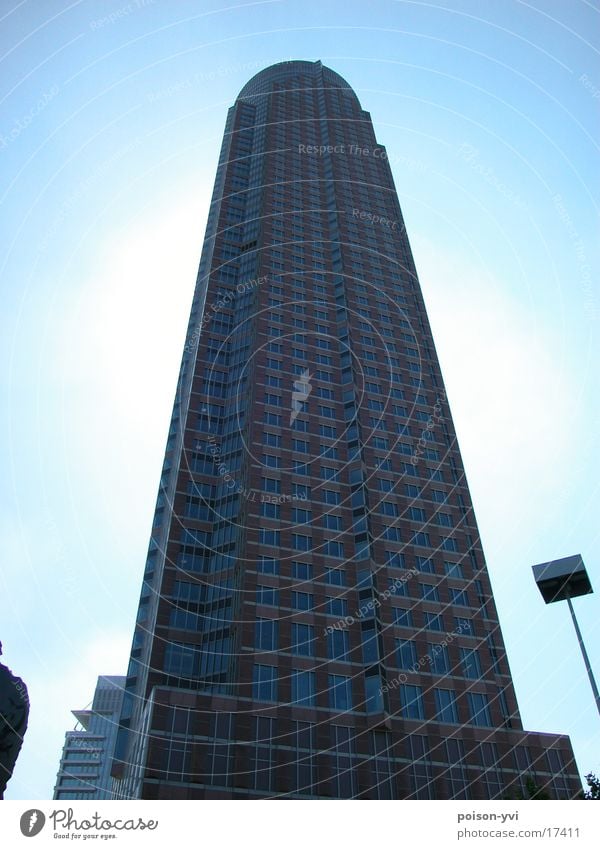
(110, 124)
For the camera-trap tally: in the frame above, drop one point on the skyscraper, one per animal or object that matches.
(84, 771)
(316, 617)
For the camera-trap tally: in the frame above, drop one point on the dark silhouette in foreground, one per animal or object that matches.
(593, 791)
(14, 711)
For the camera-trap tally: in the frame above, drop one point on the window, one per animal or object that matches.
(301, 571)
(326, 412)
(267, 536)
(395, 559)
(338, 645)
(327, 430)
(272, 439)
(333, 523)
(429, 592)
(331, 497)
(303, 639)
(406, 653)
(302, 601)
(417, 514)
(301, 517)
(269, 510)
(357, 498)
(271, 461)
(336, 606)
(445, 705)
(440, 663)
(264, 683)
(433, 621)
(181, 659)
(399, 586)
(459, 597)
(342, 751)
(270, 485)
(388, 508)
(479, 709)
(453, 570)
(267, 595)
(303, 687)
(403, 617)
(267, 565)
(421, 538)
(464, 626)
(265, 634)
(300, 445)
(424, 564)
(301, 542)
(333, 548)
(489, 759)
(470, 663)
(373, 694)
(340, 692)
(337, 577)
(301, 491)
(412, 702)
(449, 544)
(370, 647)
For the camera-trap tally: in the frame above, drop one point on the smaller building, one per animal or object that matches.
(84, 771)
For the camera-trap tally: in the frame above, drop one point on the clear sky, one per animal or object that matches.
(111, 119)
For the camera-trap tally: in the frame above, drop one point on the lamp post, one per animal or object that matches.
(563, 579)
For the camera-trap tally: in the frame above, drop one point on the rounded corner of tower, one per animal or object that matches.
(262, 81)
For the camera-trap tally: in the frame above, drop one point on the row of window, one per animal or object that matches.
(300, 542)
(338, 646)
(301, 571)
(334, 548)
(304, 571)
(340, 696)
(303, 491)
(305, 601)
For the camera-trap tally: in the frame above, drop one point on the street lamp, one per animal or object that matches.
(565, 579)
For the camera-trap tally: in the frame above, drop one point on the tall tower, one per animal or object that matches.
(316, 617)
(84, 771)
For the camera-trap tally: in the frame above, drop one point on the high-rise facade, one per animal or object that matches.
(84, 771)
(316, 618)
